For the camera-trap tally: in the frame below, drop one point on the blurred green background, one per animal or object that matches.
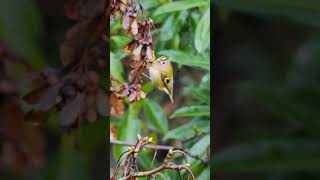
(267, 96)
(35, 29)
(183, 35)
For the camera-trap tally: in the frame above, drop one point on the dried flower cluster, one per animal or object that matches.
(76, 90)
(140, 47)
(21, 143)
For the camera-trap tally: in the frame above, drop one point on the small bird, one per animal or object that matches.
(161, 74)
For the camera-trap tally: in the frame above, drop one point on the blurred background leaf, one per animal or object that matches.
(179, 6)
(306, 12)
(128, 130)
(155, 116)
(35, 30)
(202, 35)
(21, 27)
(267, 89)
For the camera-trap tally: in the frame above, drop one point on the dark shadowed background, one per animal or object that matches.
(32, 31)
(267, 77)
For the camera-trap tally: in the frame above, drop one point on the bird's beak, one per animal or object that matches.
(171, 98)
(169, 94)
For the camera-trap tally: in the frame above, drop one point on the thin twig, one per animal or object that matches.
(130, 170)
(154, 156)
(160, 147)
(158, 169)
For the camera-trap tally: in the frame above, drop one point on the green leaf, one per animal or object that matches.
(145, 160)
(173, 25)
(118, 42)
(116, 68)
(192, 111)
(128, 131)
(205, 174)
(202, 34)
(167, 31)
(156, 116)
(147, 4)
(307, 11)
(196, 167)
(147, 87)
(69, 159)
(270, 156)
(187, 59)
(187, 131)
(201, 91)
(179, 6)
(184, 131)
(200, 148)
(202, 95)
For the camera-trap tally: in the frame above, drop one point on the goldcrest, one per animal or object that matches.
(161, 74)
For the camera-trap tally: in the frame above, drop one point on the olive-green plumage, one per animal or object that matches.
(161, 74)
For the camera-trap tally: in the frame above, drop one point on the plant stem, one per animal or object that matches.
(159, 147)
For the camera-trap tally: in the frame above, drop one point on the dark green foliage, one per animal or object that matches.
(268, 94)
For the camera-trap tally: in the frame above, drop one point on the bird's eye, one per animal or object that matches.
(167, 81)
(163, 63)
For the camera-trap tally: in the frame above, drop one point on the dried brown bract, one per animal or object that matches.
(79, 97)
(118, 7)
(130, 22)
(22, 144)
(76, 90)
(140, 48)
(141, 45)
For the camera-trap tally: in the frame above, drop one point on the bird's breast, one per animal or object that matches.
(155, 76)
